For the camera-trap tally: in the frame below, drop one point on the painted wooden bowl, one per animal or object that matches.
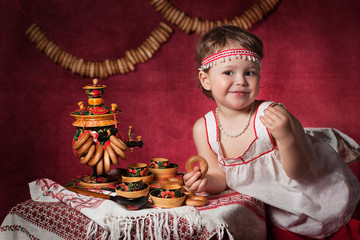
(131, 184)
(137, 170)
(165, 173)
(146, 179)
(171, 191)
(159, 163)
(135, 194)
(166, 202)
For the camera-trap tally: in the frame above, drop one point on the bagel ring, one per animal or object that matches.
(197, 159)
(88, 156)
(85, 147)
(100, 167)
(107, 161)
(98, 154)
(196, 201)
(112, 154)
(118, 151)
(120, 144)
(81, 140)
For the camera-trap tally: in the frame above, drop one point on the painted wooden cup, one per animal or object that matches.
(131, 184)
(137, 170)
(159, 163)
(171, 191)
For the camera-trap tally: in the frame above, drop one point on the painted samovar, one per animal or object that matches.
(97, 142)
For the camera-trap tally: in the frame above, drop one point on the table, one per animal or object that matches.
(62, 219)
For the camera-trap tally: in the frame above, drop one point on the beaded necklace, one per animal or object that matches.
(236, 134)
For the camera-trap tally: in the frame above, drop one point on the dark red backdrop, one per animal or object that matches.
(311, 65)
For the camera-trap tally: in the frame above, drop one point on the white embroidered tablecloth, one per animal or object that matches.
(47, 217)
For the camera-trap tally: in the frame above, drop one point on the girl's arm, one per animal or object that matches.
(214, 181)
(290, 140)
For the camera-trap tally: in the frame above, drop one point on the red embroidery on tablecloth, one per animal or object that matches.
(18, 228)
(230, 197)
(57, 218)
(70, 224)
(79, 202)
(48, 187)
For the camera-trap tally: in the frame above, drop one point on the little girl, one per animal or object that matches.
(260, 149)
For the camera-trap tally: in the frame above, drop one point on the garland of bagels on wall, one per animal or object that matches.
(190, 24)
(125, 64)
(103, 69)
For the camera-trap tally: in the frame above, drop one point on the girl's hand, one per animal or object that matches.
(290, 139)
(193, 180)
(277, 120)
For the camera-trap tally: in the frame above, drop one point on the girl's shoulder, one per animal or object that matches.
(200, 122)
(199, 126)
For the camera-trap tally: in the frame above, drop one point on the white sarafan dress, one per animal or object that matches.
(315, 206)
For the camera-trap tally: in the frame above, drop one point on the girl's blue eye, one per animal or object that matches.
(229, 73)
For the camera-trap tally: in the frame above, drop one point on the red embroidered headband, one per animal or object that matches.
(227, 54)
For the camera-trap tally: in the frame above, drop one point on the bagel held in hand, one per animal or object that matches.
(195, 179)
(197, 159)
(198, 174)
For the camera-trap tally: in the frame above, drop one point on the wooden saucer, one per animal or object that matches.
(91, 181)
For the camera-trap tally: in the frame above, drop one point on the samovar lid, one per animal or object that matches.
(95, 113)
(94, 85)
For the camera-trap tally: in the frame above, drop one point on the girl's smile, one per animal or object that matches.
(240, 93)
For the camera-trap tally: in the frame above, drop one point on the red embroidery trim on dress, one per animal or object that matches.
(224, 160)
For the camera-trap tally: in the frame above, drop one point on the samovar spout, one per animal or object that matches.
(131, 143)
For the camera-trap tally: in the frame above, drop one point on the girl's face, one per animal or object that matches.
(234, 83)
